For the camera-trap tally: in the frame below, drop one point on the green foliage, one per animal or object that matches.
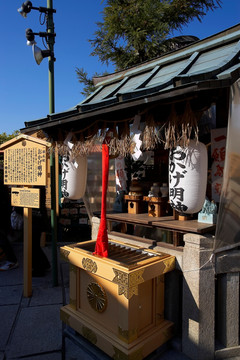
(5, 137)
(83, 79)
(134, 31)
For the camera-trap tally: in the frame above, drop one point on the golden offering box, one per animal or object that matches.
(117, 303)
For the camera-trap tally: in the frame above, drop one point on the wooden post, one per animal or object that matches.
(57, 181)
(27, 253)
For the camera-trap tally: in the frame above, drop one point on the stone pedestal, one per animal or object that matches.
(227, 270)
(198, 298)
(228, 297)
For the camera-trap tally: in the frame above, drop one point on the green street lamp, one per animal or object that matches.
(39, 55)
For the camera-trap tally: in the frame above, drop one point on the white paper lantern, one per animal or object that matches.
(74, 177)
(188, 177)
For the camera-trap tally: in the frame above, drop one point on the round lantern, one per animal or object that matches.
(188, 177)
(74, 177)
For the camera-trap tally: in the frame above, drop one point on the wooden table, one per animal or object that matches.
(165, 222)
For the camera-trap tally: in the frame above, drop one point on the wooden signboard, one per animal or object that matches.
(25, 197)
(25, 164)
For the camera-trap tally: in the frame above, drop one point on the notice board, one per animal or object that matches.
(25, 197)
(25, 163)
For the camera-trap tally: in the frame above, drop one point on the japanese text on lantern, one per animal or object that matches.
(65, 171)
(177, 171)
(25, 164)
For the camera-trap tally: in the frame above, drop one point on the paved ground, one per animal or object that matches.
(31, 327)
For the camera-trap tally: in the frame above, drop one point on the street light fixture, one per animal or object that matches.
(26, 7)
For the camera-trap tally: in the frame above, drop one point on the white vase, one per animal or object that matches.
(164, 190)
(155, 189)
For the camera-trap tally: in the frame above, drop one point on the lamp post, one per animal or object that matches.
(50, 30)
(39, 55)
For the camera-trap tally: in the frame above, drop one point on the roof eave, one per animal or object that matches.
(179, 91)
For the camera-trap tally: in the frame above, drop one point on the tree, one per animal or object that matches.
(134, 31)
(5, 137)
(83, 78)
(87, 82)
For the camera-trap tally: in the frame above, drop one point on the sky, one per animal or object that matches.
(24, 93)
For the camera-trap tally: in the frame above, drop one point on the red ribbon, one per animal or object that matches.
(101, 247)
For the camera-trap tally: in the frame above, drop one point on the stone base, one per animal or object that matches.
(233, 353)
(198, 306)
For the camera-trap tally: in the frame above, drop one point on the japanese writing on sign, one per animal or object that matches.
(25, 164)
(218, 140)
(25, 197)
(177, 172)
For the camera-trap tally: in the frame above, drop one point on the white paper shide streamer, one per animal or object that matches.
(74, 175)
(188, 177)
(136, 138)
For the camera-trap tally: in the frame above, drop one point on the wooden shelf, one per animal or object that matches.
(139, 219)
(190, 226)
(165, 222)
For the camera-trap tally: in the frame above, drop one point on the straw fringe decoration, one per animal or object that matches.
(178, 130)
(181, 128)
(151, 137)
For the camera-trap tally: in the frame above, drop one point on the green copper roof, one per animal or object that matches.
(214, 59)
